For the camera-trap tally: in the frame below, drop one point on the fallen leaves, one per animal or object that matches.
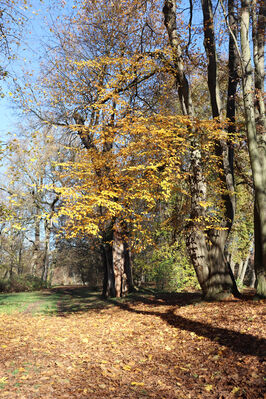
(135, 350)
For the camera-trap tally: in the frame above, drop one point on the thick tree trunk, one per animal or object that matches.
(208, 260)
(258, 36)
(117, 263)
(223, 150)
(121, 284)
(257, 149)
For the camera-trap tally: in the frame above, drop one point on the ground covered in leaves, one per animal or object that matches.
(164, 346)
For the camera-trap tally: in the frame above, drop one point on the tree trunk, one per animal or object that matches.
(208, 260)
(47, 251)
(121, 285)
(20, 264)
(117, 263)
(257, 149)
(36, 246)
(242, 271)
(108, 278)
(128, 267)
(223, 150)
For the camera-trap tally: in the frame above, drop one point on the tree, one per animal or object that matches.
(12, 19)
(252, 88)
(206, 246)
(93, 87)
(30, 168)
(115, 86)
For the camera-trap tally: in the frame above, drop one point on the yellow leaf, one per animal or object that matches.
(24, 377)
(137, 383)
(208, 388)
(235, 390)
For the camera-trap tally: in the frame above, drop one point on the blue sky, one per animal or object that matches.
(40, 14)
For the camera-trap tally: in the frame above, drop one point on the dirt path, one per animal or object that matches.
(33, 307)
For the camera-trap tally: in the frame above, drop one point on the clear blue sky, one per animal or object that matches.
(35, 32)
(40, 15)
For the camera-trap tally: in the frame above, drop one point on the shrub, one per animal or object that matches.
(3, 285)
(168, 266)
(22, 284)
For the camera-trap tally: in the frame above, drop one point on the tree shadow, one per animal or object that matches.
(244, 343)
(80, 299)
(77, 299)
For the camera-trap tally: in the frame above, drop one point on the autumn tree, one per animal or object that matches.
(131, 100)
(207, 246)
(99, 76)
(29, 163)
(253, 93)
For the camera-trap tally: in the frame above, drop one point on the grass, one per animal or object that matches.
(20, 302)
(55, 301)
(59, 300)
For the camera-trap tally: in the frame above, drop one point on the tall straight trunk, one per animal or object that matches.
(258, 36)
(208, 260)
(36, 245)
(47, 250)
(120, 277)
(233, 81)
(20, 264)
(242, 272)
(116, 258)
(223, 149)
(108, 277)
(257, 147)
(128, 266)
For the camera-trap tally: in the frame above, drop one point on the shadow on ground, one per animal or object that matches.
(81, 299)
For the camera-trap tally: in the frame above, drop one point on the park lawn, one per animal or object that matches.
(54, 301)
(156, 346)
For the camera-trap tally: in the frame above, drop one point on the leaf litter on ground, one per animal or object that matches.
(159, 346)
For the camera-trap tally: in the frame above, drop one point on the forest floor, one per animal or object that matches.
(68, 343)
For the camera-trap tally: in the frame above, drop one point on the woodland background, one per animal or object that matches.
(140, 156)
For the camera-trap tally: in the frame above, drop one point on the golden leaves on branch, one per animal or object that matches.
(131, 166)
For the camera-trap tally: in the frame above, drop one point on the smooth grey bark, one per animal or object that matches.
(256, 145)
(258, 39)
